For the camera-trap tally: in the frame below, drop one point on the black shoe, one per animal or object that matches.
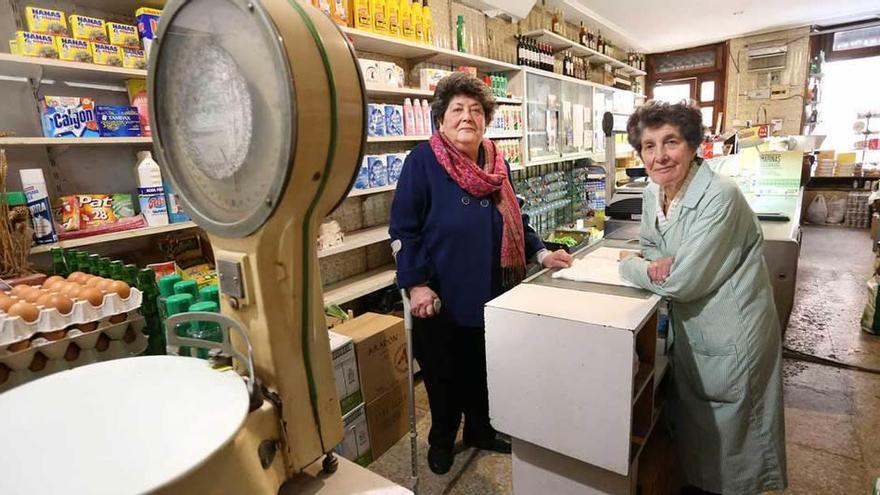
(495, 444)
(440, 459)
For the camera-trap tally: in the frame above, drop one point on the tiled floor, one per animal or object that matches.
(832, 415)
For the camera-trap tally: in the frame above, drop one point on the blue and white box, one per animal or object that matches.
(378, 170)
(363, 177)
(118, 121)
(394, 163)
(393, 120)
(376, 120)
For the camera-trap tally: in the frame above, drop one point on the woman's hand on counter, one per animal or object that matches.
(624, 254)
(557, 259)
(421, 299)
(660, 269)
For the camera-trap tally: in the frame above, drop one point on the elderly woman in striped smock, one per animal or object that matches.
(702, 250)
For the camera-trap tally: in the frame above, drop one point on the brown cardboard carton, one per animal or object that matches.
(380, 347)
(387, 418)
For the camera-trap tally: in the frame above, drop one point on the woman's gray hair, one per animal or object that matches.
(686, 117)
(460, 83)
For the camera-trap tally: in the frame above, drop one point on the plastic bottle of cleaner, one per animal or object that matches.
(37, 194)
(339, 12)
(324, 5)
(393, 18)
(409, 127)
(428, 23)
(426, 115)
(419, 122)
(379, 11)
(361, 17)
(151, 191)
(418, 26)
(172, 203)
(405, 14)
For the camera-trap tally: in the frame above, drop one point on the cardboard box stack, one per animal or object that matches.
(380, 348)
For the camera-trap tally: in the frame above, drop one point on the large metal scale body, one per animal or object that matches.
(257, 109)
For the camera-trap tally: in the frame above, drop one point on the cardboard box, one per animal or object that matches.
(388, 418)
(380, 346)
(355, 445)
(348, 386)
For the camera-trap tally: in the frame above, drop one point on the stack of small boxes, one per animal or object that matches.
(380, 170)
(858, 212)
(85, 39)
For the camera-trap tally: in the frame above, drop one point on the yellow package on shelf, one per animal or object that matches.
(846, 158)
(73, 50)
(88, 28)
(13, 46)
(35, 45)
(104, 54)
(45, 21)
(124, 35)
(133, 58)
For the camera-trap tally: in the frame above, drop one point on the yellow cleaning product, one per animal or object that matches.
(428, 23)
(405, 19)
(393, 18)
(418, 26)
(379, 10)
(340, 12)
(361, 17)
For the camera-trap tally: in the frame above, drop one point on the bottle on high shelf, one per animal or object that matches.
(557, 22)
(600, 43)
(582, 36)
(428, 23)
(417, 20)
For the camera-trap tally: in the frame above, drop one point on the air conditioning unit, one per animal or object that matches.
(767, 57)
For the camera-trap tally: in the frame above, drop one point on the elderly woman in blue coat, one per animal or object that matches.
(702, 250)
(464, 241)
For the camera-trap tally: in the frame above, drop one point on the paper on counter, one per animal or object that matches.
(599, 266)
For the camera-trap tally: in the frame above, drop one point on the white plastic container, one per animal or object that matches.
(151, 190)
(419, 120)
(426, 115)
(34, 185)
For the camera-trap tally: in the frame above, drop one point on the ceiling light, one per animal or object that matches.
(738, 12)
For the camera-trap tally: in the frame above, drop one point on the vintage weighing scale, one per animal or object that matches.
(258, 112)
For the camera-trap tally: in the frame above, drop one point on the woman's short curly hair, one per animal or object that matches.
(687, 118)
(460, 83)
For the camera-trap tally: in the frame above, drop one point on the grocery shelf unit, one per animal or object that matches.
(113, 237)
(561, 43)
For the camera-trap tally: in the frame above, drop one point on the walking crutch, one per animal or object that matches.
(407, 325)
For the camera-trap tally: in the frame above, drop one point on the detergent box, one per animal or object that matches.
(88, 28)
(147, 25)
(68, 116)
(45, 21)
(35, 45)
(104, 54)
(73, 50)
(133, 58)
(124, 35)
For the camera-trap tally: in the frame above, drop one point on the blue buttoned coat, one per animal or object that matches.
(450, 240)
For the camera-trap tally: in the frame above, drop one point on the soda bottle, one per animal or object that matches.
(59, 267)
(82, 261)
(187, 287)
(176, 304)
(146, 283)
(130, 274)
(205, 330)
(117, 270)
(166, 290)
(210, 293)
(72, 260)
(104, 267)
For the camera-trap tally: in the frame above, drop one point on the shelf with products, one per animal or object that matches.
(54, 69)
(359, 285)
(396, 139)
(374, 89)
(561, 43)
(502, 134)
(380, 43)
(113, 236)
(373, 190)
(357, 239)
(69, 141)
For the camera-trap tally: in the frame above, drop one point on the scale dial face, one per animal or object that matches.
(223, 112)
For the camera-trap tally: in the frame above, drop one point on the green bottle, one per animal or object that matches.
(210, 293)
(460, 34)
(117, 270)
(94, 260)
(104, 267)
(205, 330)
(71, 256)
(176, 304)
(59, 267)
(166, 290)
(130, 274)
(82, 261)
(187, 287)
(146, 283)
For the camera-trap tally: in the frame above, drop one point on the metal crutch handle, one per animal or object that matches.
(226, 348)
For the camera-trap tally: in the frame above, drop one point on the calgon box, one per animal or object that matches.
(68, 116)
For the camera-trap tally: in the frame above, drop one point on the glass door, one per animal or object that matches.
(542, 105)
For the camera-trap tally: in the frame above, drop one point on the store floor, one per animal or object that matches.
(832, 424)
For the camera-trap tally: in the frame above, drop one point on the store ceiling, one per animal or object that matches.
(658, 26)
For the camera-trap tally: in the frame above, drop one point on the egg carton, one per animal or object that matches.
(15, 329)
(77, 348)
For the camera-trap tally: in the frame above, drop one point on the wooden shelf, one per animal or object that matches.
(114, 236)
(374, 89)
(641, 379)
(70, 141)
(396, 139)
(372, 190)
(359, 285)
(557, 159)
(509, 101)
(358, 239)
(560, 43)
(504, 134)
(49, 68)
(376, 43)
